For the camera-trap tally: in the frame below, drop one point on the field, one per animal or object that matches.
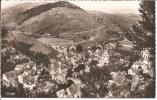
(55, 42)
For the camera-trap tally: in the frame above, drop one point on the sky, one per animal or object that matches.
(108, 6)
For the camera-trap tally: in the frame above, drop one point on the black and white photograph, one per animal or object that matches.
(78, 49)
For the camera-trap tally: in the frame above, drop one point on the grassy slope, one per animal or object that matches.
(37, 45)
(119, 20)
(10, 14)
(58, 20)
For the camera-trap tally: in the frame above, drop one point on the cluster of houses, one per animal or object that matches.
(29, 74)
(140, 69)
(66, 69)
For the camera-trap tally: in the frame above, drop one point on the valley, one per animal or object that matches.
(61, 50)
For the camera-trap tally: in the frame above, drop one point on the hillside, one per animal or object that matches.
(118, 20)
(10, 14)
(55, 19)
(51, 18)
(64, 20)
(45, 7)
(37, 46)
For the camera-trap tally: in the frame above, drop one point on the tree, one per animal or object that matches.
(22, 47)
(37, 57)
(95, 82)
(4, 31)
(79, 49)
(41, 58)
(144, 30)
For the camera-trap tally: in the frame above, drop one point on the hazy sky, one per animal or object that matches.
(105, 6)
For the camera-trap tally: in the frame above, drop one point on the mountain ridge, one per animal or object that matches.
(45, 7)
(63, 17)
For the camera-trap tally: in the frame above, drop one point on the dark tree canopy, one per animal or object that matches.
(95, 82)
(79, 49)
(147, 10)
(37, 57)
(144, 30)
(4, 31)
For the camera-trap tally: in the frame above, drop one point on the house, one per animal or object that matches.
(61, 78)
(136, 80)
(10, 78)
(111, 45)
(21, 67)
(74, 90)
(118, 77)
(145, 55)
(135, 66)
(104, 58)
(61, 93)
(125, 44)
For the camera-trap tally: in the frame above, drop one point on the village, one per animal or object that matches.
(63, 76)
